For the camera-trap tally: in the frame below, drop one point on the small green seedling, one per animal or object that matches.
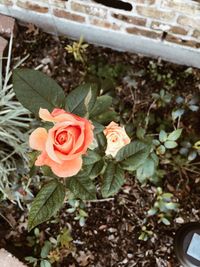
(78, 49)
(77, 207)
(163, 206)
(145, 234)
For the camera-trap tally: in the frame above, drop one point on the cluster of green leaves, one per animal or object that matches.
(163, 206)
(49, 251)
(183, 105)
(162, 98)
(145, 234)
(165, 77)
(77, 207)
(167, 141)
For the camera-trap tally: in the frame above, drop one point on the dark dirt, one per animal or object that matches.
(110, 235)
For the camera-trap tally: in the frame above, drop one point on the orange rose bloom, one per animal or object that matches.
(116, 138)
(63, 145)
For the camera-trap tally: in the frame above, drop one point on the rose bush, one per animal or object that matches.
(116, 138)
(63, 145)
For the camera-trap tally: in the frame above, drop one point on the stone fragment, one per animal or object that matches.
(7, 260)
(7, 26)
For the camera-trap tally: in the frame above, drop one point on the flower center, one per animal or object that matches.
(114, 138)
(62, 138)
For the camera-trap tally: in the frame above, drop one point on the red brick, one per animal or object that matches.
(180, 41)
(168, 28)
(89, 10)
(32, 6)
(146, 33)
(57, 3)
(3, 44)
(188, 7)
(104, 24)
(196, 34)
(68, 15)
(148, 2)
(187, 21)
(129, 19)
(6, 2)
(7, 26)
(155, 13)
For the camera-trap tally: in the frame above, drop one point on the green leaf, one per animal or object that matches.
(82, 213)
(170, 144)
(140, 133)
(102, 103)
(47, 202)
(133, 155)
(145, 170)
(91, 157)
(174, 135)
(167, 196)
(82, 99)
(85, 171)
(156, 142)
(143, 236)
(96, 169)
(177, 113)
(45, 263)
(65, 238)
(162, 136)
(82, 187)
(193, 107)
(197, 145)
(31, 259)
(106, 117)
(36, 90)
(152, 212)
(130, 150)
(113, 179)
(172, 206)
(192, 155)
(98, 128)
(165, 221)
(161, 150)
(102, 141)
(46, 249)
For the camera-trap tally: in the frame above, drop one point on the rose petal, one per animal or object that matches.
(86, 139)
(38, 139)
(41, 159)
(50, 147)
(67, 168)
(45, 115)
(57, 111)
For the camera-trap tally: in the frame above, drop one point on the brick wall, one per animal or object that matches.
(161, 28)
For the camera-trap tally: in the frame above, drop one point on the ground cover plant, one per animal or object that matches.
(123, 205)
